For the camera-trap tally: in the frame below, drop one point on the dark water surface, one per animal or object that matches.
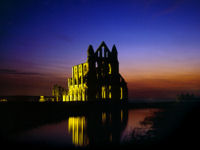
(93, 128)
(59, 127)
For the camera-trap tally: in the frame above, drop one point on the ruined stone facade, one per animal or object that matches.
(98, 78)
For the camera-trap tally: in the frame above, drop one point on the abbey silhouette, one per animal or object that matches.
(98, 78)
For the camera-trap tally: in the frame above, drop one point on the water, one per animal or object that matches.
(90, 128)
(73, 125)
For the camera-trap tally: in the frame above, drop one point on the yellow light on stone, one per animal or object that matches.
(3, 100)
(110, 94)
(42, 99)
(64, 97)
(110, 69)
(121, 96)
(103, 92)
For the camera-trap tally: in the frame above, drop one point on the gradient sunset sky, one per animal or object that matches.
(158, 43)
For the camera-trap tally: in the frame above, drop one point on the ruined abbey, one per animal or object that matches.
(98, 78)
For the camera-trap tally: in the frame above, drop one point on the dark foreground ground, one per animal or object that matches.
(178, 126)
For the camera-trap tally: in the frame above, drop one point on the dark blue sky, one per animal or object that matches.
(157, 42)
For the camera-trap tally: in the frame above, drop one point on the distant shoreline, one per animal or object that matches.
(29, 98)
(32, 102)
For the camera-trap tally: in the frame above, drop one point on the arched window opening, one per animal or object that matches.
(98, 53)
(110, 94)
(121, 91)
(103, 92)
(96, 65)
(109, 69)
(102, 51)
(106, 54)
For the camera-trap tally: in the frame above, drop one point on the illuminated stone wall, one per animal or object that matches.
(98, 78)
(77, 84)
(59, 93)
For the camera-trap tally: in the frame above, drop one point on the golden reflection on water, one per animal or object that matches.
(103, 117)
(108, 126)
(77, 126)
(122, 115)
(93, 128)
(90, 128)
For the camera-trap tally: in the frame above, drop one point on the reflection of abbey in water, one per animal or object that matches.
(98, 78)
(98, 127)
